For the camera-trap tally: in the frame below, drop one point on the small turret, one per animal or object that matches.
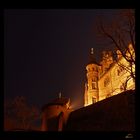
(55, 114)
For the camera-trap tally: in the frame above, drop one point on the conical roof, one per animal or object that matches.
(92, 59)
(58, 101)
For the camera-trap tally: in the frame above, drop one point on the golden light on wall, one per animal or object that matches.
(113, 78)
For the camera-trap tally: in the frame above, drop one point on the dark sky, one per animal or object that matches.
(46, 52)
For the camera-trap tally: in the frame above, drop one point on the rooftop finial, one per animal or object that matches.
(60, 95)
(91, 50)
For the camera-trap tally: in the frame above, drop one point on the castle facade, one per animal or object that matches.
(110, 77)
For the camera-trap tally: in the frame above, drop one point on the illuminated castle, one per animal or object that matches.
(109, 77)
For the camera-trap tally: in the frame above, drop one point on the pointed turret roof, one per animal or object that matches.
(92, 59)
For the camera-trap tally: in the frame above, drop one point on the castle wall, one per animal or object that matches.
(114, 80)
(113, 114)
(111, 77)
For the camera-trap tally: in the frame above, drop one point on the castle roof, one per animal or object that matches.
(93, 62)
(92, 59)
(61, 100)
(58, 101)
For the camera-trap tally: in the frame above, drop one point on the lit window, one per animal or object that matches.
(93, 100)
(93, 85)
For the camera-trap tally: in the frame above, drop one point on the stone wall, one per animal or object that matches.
(116, 113)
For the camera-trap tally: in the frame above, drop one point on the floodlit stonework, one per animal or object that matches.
(109, 77)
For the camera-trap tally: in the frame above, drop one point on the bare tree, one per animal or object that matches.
(120, 32)
(19, 111)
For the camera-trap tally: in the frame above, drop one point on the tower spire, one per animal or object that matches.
(59, 94)
(91, 56)
(92, 59)
(91, 50)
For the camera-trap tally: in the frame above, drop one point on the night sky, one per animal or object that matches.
(46, 52)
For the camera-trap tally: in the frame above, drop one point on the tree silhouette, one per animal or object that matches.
(20, 114)
(120, 34)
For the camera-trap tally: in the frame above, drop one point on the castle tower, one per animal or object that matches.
(91, 87)
(55, 114)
